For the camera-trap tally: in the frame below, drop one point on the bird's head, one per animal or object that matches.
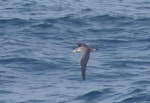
(79, 49)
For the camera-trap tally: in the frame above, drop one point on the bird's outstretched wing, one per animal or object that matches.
(83, 63)
(83, 70)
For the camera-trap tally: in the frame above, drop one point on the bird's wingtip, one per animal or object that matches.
(79, 44)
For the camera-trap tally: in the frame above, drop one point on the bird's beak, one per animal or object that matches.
(75, 50)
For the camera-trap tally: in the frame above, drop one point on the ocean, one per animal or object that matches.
(37, 64)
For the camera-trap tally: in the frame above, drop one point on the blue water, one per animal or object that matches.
(36, 42)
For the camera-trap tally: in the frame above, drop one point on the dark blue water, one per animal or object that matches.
(36, 42)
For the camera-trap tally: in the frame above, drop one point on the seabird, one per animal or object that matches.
(85, 50)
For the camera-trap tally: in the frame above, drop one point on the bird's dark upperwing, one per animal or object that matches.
(83, 63)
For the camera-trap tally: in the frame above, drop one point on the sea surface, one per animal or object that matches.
(37, 64)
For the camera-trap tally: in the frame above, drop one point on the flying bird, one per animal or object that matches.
(85, 50)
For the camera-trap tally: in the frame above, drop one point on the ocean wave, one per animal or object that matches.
(142, 20)
(105, 19)
(42, 26)
(36, 101)
(108, 30)
(121, 20)
(13, 21)
(145, 82)
(28, 64)
(108, 17)
(127, 63)
(55, 24)
(7, 82)
(113, 41)
(71, 20)
(25, 4)
(68, 20)
(86, 10)
(13, 60)
(5, 91)
(93, 95)
(140, 98)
